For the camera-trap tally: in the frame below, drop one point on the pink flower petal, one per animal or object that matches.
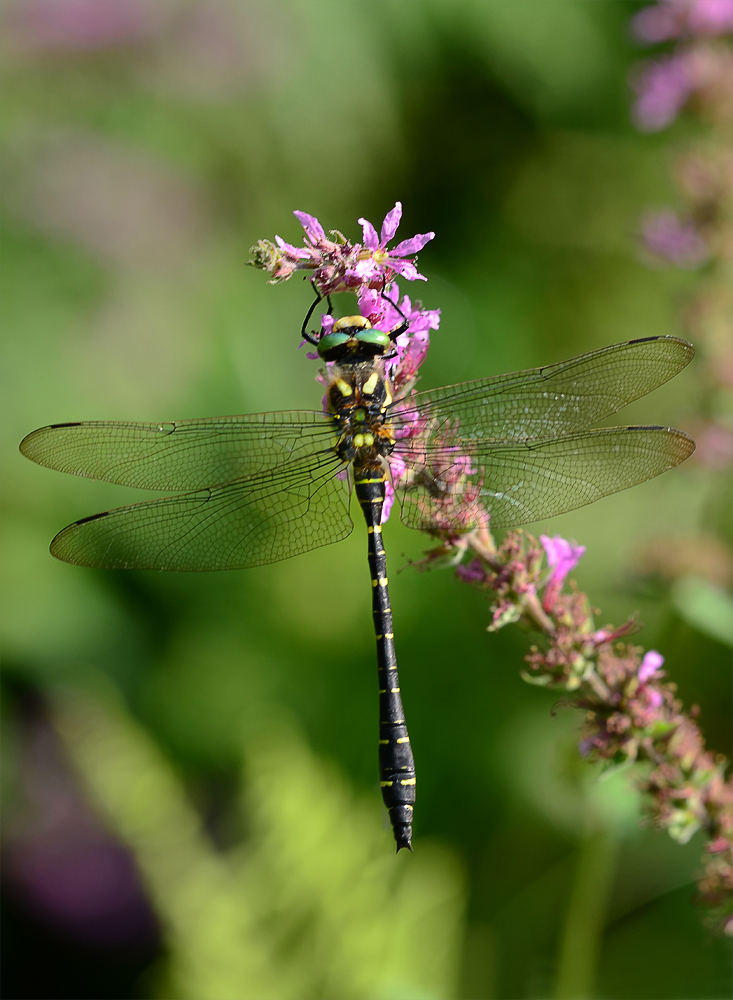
(562, 556)
(397, 467)
(411, 246)
(391, 223)
(407, 269)
(369, 301)
(649, 665)
(371, 240)
(299, 252)
(311, 225)
(388, 501)
(365, 270)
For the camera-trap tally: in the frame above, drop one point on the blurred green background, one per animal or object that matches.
(192, 806)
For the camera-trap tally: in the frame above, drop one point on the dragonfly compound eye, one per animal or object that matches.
(353, 337)
(333, 346)
(374, 341)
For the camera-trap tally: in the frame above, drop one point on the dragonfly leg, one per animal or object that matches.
(404, 325)
(304, 333)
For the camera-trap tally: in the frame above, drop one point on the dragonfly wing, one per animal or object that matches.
(180, 455)
(268, 517)
(455, 488)
(551, 401)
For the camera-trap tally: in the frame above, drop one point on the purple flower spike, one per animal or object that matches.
(649, 665)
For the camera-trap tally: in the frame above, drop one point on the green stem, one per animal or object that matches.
(586, 916)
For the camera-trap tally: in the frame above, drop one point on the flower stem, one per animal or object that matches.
(586, 915)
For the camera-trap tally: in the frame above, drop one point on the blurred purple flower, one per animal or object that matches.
(710, 17)
(83, 24)
(658, 23)
(649, 665)
(654, 697)
(675, 18)
(667, 236)
(117, 203)
(662, 88)
(60, 862)
(715, 445)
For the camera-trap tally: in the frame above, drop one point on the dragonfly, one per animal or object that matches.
(251, 490)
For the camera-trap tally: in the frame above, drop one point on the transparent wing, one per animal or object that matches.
(551, 401)
(458, 484)
(268, 517)
(181, 455)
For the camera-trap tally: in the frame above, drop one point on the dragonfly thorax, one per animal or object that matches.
(358, 397)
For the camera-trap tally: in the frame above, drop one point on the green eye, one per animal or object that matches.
(377, 337)
(331, 341)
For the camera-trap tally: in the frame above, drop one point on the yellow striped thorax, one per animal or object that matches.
(359, 397)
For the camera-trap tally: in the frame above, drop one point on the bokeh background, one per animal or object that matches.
(190, 776)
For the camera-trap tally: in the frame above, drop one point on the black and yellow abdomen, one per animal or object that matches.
(358, 398)
(396, 763)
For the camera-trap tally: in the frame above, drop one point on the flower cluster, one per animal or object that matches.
(337, 265)
(632, 714)
(695, 73)
(368, 270)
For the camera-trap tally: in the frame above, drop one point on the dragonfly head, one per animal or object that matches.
(352, 338)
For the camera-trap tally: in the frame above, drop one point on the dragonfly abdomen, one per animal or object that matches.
(396, 763)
